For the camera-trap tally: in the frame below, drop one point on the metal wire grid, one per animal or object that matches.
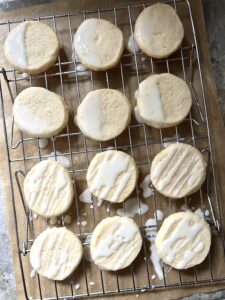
(12, 78)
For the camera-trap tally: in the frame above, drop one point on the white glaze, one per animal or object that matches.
(152, 232)
(187, 257)
(157, 172)
(132, 45)
(74, 57)
(25, 75)
(177, 169)
(53, 221)
(43, 143)
(77, 286)
(91, 116)
(199, 248)
(168, 141)
(86, 42)
(32, 273)
(49, 242)
(81, 70)
(207, 213)
(136, 93)
(150, 103)
(29, 120)
(97, 42)
(61, 159)
(147, 190)
(87, 254)
(133, 207)
(199, 212)
(159, 215)
(46, 186)
(123, 234)
(84, 223)
(106, 175)
(137, 115)
(67, 219)
(35, 216)
(100, 201)
(156, 261)
(172, 171)
(184, 207)
(85, 197)
(183, 234)
(15, 45)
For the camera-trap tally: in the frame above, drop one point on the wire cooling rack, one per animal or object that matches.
(68, 78)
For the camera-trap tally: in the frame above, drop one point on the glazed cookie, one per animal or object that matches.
(183, 240)
(112, 175)
(48, 189)
(159, 31)
(178, 171)
(40, 113)
(103, 114)
(31, 47)
(115, 243)
(99, 44)
(163, 100)
(56, 253)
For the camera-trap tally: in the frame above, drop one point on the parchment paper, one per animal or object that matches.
(80, 160)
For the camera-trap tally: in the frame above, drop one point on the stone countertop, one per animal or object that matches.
(214, 11)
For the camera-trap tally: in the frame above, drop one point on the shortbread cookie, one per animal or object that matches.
(178, 171)
(112, 175)
(115, 243)
(183, 240)
(31, 47)
(48, 189)
(103, 114)
(163, 100)
(159, 31)
(40, 113)
(56, 253)
(99, 44)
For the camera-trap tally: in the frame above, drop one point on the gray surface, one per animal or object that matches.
(215, 24)
(7, 279)
(214, 11)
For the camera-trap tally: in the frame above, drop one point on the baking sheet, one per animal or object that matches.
(80, 160)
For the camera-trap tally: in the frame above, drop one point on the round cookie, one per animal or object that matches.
(40, 113)
(115, 243)
(178, 171)
(158, 30)
(112, 175)
(31, 47)
(183, 240)
(163, 100)
(56, 253)
(103, 114)
(99, 44)
(48, 189)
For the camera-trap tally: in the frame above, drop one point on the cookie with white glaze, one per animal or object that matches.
(56, 253)
(163, 100)
(103, 114)
(99, 44)
(183, 240)
(158, 30)
(40, 113)
(48, 189)
(31, 47)
(178, 171)
(112, 175)
(115, 243)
